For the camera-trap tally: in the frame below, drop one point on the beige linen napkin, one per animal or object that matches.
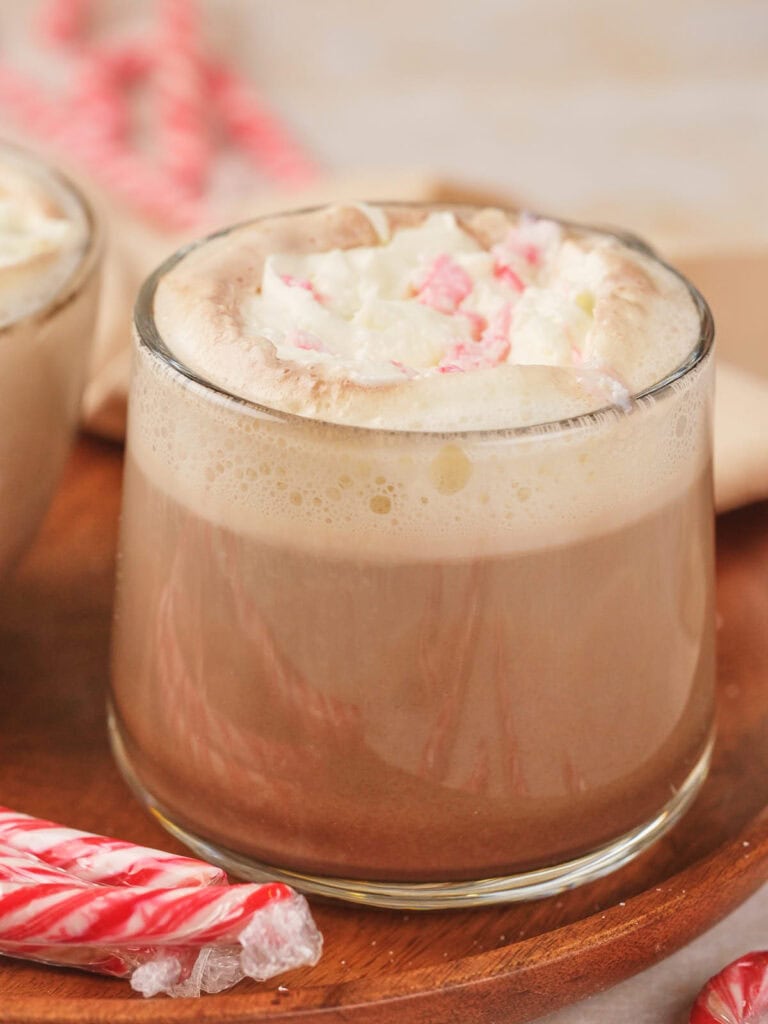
(732, 284)
(741, 437)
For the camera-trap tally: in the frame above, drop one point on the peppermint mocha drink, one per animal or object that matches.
(48, 291)
(416, 573)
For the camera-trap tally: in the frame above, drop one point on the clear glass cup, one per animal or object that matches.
(312, 681)
(43, 362)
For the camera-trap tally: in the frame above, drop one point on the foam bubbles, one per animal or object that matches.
(385, 494)
(382, 495)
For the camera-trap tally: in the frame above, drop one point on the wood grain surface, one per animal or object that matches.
(502, 964)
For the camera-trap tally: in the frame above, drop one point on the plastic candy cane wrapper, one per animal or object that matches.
(199, 935)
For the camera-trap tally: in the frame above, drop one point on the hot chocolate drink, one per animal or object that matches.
(416, 576)
(48, 289)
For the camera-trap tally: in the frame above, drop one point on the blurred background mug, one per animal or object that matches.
(49, 281)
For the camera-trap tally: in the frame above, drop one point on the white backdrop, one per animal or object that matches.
(653, 115)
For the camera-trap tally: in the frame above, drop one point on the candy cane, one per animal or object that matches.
(270, 922)
(113, 164)
(444, 285)
(64, 914)
(17, 866)
(172, 965)
(98, 94)
(256, 131)
(64, 22)
(100, 859)
(182, 120)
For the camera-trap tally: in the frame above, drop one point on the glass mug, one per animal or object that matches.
(43, 362)
(366, 663)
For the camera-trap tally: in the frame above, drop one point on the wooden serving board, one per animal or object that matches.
(492, 965)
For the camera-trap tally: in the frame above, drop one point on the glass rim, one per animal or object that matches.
(86, 264)
(149, 336)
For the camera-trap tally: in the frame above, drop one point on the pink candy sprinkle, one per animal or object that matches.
(409, 372)
(445, 285)
(503, 272)
(492, 349)
(302, 282)
(307, 341)
(477, 323)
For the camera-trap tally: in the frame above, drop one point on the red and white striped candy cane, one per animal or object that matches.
(112, 163)
(270, 922)
(98, 95)
(180, 95)
(17, 866)
(100, 859)
(24, 869)
(65, 22)
(261, 135)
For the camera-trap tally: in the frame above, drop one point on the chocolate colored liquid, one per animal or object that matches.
(412, 718)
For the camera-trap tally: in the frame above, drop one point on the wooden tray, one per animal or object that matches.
(500, 964)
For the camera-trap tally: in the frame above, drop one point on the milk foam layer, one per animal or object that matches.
(42, 236)
(345, 491)
(403, 319)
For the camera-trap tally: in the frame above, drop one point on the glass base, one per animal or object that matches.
(528, 885)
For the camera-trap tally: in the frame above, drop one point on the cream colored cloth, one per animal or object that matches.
(734, 285)
(741, 437)
(741, 407)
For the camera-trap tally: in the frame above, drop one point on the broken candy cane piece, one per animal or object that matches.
(737, 995)
(306, 340)
(528, 245)
(444, 286)
(278, 938)
(67, 914)
(492, 349)
(100, 859)
(503, 272)
(170, 940)
(477, 322)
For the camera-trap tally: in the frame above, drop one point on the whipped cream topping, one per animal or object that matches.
(42, 235)
(429, 299)
(405, 319)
